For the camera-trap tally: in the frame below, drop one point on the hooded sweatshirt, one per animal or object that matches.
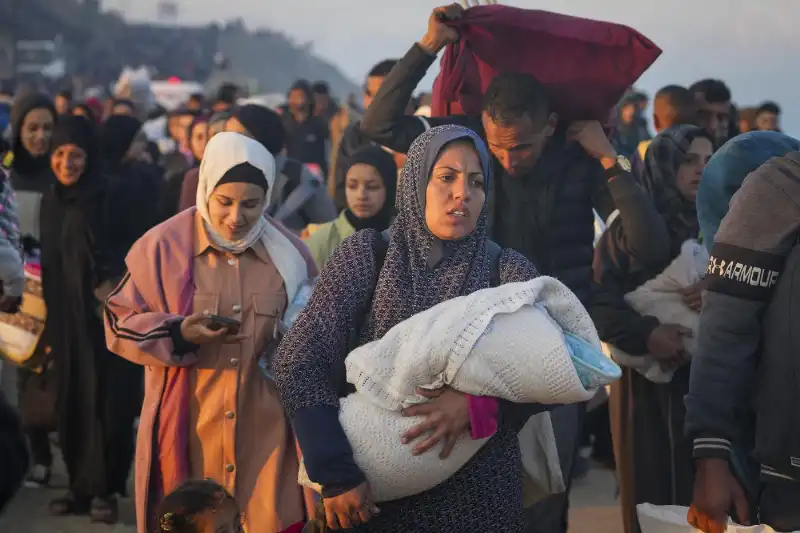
(727, 170)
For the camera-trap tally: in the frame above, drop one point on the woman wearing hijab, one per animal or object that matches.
(654, 460)
(33, 118)
(437, 250)
(371, 185)
(135, 185)
(299, 199)
(727, 170)
(209, 411)
(95, 411)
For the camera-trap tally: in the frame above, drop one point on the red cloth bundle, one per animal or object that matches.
(586, 65)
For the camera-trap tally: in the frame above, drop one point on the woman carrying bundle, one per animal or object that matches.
(438, 250)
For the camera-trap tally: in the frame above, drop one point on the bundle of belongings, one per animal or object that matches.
(530, 342)
(660, 297)
(585, 65)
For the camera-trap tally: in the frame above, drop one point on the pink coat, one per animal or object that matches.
(158, 291)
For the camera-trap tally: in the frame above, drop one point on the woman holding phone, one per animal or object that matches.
(198, 308)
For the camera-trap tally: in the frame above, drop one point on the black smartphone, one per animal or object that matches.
(216, 323)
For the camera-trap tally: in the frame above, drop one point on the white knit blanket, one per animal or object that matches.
(505, 342)
(660, 298)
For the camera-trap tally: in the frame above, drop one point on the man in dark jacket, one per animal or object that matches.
(747, 354)
(352, 138)
(325, 107)
(306, 134)
(713, 100)
(549, 178)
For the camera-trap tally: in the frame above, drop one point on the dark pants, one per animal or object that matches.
(653, 457)
(551, 514)
(780, 506)
(39, 439)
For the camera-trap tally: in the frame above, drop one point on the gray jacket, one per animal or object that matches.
(730, 371)
(300, 196)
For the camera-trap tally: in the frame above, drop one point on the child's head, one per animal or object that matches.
(200, 506)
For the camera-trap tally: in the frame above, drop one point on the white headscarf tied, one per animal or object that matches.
(225, 151)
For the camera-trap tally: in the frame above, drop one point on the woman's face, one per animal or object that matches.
(68, 163)
(455, 194)
(691, 171)
(365, 191)
(37, 129)
(234, 208)
(199, 140)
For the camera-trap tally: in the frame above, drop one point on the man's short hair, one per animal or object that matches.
(227, 93)
(66, 93)
(713, 91)
(197, 97)
(320, 87)
(673, 105)
(511, 96)
(382, 69)
(769, 107)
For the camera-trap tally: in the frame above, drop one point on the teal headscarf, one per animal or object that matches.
(727, 170)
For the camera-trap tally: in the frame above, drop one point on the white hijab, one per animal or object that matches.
(225, 151)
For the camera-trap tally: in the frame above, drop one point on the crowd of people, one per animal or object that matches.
(168, 267)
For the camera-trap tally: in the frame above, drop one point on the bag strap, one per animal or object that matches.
(494, 251)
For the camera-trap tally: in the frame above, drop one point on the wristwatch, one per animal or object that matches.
(621, 166)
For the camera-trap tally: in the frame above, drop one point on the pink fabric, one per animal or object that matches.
(482, 416)
(586, 65)
(295, 528)
(153, 261)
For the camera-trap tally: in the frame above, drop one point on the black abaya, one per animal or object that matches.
(95, 387)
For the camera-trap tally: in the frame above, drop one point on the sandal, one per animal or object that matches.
(105, 510)
(69, 504)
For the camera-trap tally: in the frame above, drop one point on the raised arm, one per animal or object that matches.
(385, 121)
(140, 335)
(313, 351)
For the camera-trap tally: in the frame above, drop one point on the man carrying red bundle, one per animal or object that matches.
(549, 177)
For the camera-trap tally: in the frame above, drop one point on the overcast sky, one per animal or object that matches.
(752, 44)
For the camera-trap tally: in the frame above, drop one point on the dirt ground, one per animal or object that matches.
(594, 506)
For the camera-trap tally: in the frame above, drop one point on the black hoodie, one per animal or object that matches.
(31, 176)
(306, 141)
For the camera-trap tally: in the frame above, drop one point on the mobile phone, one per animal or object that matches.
(217, 322)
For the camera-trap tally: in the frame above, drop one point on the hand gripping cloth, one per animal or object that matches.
(530, 342)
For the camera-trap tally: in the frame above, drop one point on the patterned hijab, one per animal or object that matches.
(407, 284)
(665, 156)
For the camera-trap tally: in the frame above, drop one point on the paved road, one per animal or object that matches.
(594, 511)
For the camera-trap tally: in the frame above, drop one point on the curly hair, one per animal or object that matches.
(179, 510)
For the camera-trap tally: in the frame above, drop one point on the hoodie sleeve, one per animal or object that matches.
(386, 122)
(747, 259)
